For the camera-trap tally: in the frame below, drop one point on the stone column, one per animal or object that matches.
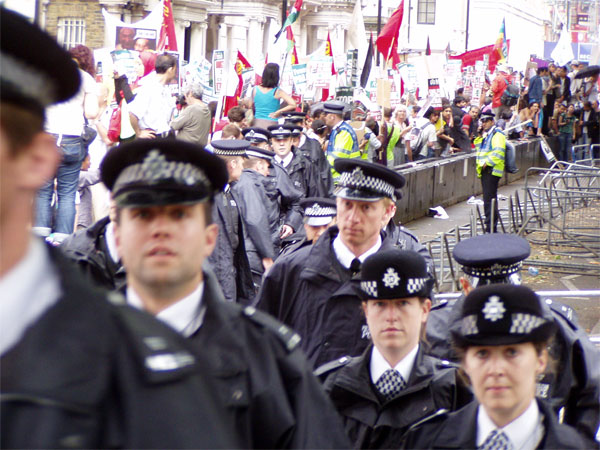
(222, 37)
(180, 26)
(254, 40)
(198, 41)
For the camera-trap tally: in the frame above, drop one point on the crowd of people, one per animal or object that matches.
(253, 290)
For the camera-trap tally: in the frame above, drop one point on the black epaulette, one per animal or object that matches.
(289, 337)
(332, 365)
(162, 354)
(565, 311)
(407, 231)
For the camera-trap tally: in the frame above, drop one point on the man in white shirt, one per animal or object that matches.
(310, 289)
(151, 110)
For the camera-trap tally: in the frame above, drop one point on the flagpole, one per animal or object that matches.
(390, 52)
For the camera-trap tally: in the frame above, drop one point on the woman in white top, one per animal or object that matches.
(502, 338)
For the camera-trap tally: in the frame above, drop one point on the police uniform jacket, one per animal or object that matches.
(88, 248)
(90, 373)
(273, 398)
(404, 239)
(283, 198)
(459, 430)
(231, 264)
(311, 149)
(253, 207)
(302, 174)
(576, 387)
(310, 291)
(372, 422)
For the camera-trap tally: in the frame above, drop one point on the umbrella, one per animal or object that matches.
(588, 72)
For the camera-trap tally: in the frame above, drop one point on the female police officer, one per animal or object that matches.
(502, 339)
(393, 385)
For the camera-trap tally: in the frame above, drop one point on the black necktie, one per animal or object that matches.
(355, 266)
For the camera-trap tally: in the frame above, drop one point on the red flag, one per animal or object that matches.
(167, 39)
(328, 52)
(241, 63)
(428, 48)
(292, 44)
(387, 41)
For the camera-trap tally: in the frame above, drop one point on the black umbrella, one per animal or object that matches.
(588, 72)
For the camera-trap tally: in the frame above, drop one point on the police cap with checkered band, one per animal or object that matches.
(394, 273)
(365, 181)
(502, 314)
(230, 147)
(150, 172)
(36, 71)
(492, 257)
(256, 134)
(318, 211)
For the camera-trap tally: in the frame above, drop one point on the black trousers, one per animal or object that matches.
(548, 112)
(489, 184)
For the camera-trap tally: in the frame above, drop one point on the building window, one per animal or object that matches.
(71, 32)
(426, 12)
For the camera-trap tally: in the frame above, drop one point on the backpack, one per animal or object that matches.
(510, 96)
(416, 139)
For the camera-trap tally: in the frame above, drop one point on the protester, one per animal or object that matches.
(535, 115)
(590, 89)
(470, 122)
(87, 178)
(393, 384)
(370, 144)
(193, 124)
(566, 127)
(79, 368)
(389, 135)
(536, 83)
(502, 342)
(65, 122)
(423, 136)
(490, 147)
(164, 234)
(267, 98)
(551, 94)
(590, 128)
(499, 85)
(445, 141)
(151, 110)
(318, 300)
(576, 84)
(401, 120)
(565, 85)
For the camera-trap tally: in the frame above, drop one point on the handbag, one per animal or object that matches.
(88, 135)
(114, 126)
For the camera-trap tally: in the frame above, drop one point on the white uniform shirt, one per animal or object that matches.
(28, 290)
(379, 365)
(345, 255)
(285, 161)
(524, 433)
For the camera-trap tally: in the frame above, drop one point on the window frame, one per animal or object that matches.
(426, 9)
(71, 31)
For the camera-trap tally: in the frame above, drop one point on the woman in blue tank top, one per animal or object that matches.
(267, 98)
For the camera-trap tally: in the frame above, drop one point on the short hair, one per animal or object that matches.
(164, 62)
(196, 90)
(416, 109)
(85, 58)
(458, 99)
(317, 113)
(252, 162)
(387, 112)
(270, 76)
(372, 125)
(20, 126)
(236, 114)
(319, 127)
(231, 130)
(541, 69)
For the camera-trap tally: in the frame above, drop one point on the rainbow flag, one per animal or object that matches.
(501, 46)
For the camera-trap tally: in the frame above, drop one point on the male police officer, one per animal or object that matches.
(164, 190)
(310, 289)
(497, 258)
(319, 214)
(343, 142)
(77, 370)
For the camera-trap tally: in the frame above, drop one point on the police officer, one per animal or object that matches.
(311, 149)
(393, 384)
(343, 142)
(497, 259)
(262, 224)
(164, 232)
(258, 137)
(229, 259)
(491, 148)
(78, 370)
(310, 289)
(319, 214)
(298, 167)
(502, 337)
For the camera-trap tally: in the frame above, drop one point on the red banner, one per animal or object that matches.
(471, 57)
(167, 39)
(241, 63)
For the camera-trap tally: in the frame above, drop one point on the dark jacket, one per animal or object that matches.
(258, 231)
(284, 198)
(459, 430)
(274, 400)
(231, 264)
(302, 174)
(310, 291)
(311, 148)
(404, 239)
(85, 375)
(593, 125)
(576, 387)
(371, 422)
(88, 248)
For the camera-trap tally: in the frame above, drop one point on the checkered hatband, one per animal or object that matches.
(469, 325)
(155, 169)
(358, 180)
(523, 323)
(317, 210)
(415, 284)
(369, 288)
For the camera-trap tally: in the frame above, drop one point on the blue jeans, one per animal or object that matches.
(67, 180)
(564, 141)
